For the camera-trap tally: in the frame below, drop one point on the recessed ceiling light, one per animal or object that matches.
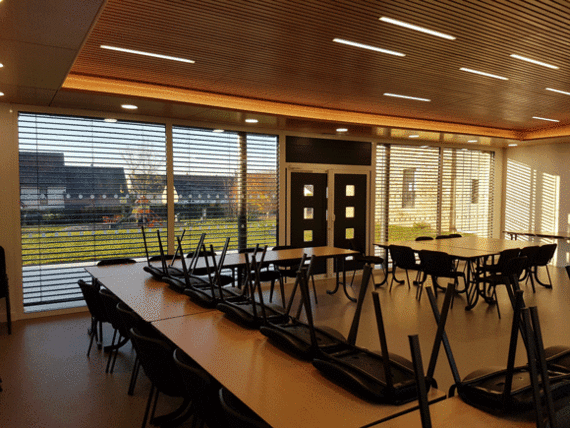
(132, 51)
(544, 118)
(416, 28)
(252, 120)
(522, 58)
(414, 136)
(129, 106)
(110, 120)
(1, 65)
(559, 91)
(471, 141)
(372, 48)
(406, 97)
(1, 94)
(218, 130)
(341, 129)
(513, 145)
(494, 76)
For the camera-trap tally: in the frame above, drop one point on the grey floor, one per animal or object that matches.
(48, 380)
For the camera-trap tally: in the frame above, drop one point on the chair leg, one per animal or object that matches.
(9, 315)
(282, 286)
(314, 289)
(134, 376)
(110, 357)
(148, 404)
(393, 276)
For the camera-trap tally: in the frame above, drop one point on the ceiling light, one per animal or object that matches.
(406, 97)
(110, 120)
(218, 130)
(1, 65)
(372, 48)
(483, 73)
(129, 106)
(414, 136)
(1, 94)
(341, 129)
(556, 90)
(471, 141)
(513, 145)
(132, 51)
(417, 28)
(424, 147)
(544, 118)
(534, 61)
(252, 120)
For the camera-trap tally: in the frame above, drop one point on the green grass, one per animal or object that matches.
(51, 244)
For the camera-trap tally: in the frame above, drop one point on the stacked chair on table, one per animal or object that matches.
(386, 378)
(289, 268)
(269, 273)
(512, 389)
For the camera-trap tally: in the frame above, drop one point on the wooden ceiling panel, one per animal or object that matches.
(283, 51)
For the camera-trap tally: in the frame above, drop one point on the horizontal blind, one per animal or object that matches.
(86, 187)
(226, 185)
(413, 192)
(467, 191)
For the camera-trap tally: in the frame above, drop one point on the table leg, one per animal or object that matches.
(346, 287)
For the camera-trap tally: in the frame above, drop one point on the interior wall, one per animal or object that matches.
(542, 176)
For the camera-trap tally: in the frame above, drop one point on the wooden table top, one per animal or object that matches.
(464, 247)
(284, 391)
(453, 412)
(538, 234)
(151, 299)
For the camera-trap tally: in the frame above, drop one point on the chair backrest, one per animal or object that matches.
(454, 235)
(93, 300)
(505, 256)
(3, 274)
(236, 414)
(402, 256)
(110, 302)
(116, 261)
(201, 388)
(131, 320)
(514, 267)
(424, 238)
(545, 254)
(530, 253)
(437, 263)
(156, 359)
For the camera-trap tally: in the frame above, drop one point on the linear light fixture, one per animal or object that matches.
(416, 28)
(494, 76)
(372, 48)
(219, 131)
(110, 120)
(129, 106)
(387, 94)
(132, 51)
(471, 141)
(513, 145)
(414, 136)
(533, 61)
(341, 129)
(251, 120)
(544, 118)
(558, 91)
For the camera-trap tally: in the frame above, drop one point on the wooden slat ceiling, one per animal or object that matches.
(283, 51)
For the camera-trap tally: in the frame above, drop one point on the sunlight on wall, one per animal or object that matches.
(532, 199)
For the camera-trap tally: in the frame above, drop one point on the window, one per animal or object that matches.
(409, 188)
(430, 190)
(226, 184)
(86, 187)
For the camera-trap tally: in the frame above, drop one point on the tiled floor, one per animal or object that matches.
(49, 382)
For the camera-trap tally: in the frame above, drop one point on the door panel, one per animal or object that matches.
(309, 211)
(350, 210)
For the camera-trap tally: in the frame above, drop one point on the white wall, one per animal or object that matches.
(542, 176)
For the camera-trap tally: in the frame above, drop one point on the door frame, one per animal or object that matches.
(331, 170)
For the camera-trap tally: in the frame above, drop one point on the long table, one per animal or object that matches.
(453, 412)
(514, 234)
(283, 390)
(471, 249)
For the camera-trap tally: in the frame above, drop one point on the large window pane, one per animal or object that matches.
(86, 188)
(225, 185)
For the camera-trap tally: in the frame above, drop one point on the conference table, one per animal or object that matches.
(453, 412)
(284, 391)
(471, 249)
